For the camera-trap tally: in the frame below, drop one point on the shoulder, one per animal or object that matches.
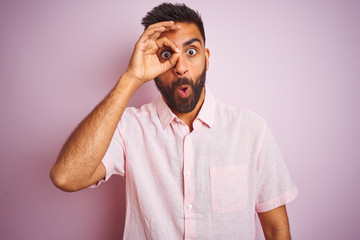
(231, 114)
(145, 113)
(145, 109)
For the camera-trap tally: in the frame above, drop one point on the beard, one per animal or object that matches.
(179, 104)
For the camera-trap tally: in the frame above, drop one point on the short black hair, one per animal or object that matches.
(177, 12)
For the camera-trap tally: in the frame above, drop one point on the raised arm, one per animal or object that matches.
(79, 162)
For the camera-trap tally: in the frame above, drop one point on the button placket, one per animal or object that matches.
(189, 188)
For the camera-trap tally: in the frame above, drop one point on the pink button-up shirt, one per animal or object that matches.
(204, 184)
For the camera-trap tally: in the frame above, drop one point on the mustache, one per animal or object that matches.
(182, 81)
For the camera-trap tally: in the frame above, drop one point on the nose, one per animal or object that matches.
(181, 67)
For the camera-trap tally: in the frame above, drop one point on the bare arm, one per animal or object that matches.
(275, 224)
(79, 162)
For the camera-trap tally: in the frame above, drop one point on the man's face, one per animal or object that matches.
(182, 85)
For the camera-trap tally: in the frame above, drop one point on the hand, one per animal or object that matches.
(145, 64)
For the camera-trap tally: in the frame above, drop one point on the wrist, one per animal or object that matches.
(129, 80)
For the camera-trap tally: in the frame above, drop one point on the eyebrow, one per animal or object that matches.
(191, 41)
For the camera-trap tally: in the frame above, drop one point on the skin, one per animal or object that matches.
(275, 224)
(190, 66)
(79, 162)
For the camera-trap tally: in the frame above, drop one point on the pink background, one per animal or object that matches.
(296, 63)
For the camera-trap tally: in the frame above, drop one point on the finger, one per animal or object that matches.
(148, 34)
(155, 35)
(175, 27)
(161, 24)
(157, 29)
(165, 42)
(158, 32)
(154, 32)
(161, 27)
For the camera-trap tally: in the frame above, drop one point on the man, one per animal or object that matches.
(195, 168)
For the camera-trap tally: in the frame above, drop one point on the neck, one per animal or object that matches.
(188, 118)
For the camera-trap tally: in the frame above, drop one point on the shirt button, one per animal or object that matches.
(189, 207)
(188, 173)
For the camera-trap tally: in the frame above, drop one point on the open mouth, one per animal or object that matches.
(183, 91)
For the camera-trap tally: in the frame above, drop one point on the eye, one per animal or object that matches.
(191, 52)
(165, 54)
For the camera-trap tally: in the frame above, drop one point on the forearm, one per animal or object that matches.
(83, 151)
(79, 162)
(275, 224)
(277, 235)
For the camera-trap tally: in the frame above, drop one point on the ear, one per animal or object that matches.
(207, 56)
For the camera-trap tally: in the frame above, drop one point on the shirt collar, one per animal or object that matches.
(206, 114)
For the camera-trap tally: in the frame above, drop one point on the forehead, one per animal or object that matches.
(187, 32)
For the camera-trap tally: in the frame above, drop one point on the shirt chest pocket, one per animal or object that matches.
(229, 188)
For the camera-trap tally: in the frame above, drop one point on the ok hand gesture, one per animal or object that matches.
(145, 64)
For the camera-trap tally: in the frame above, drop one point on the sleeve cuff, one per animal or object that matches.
(278, 201)
(107, 162)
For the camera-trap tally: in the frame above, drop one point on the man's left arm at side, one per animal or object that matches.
(275, 224)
